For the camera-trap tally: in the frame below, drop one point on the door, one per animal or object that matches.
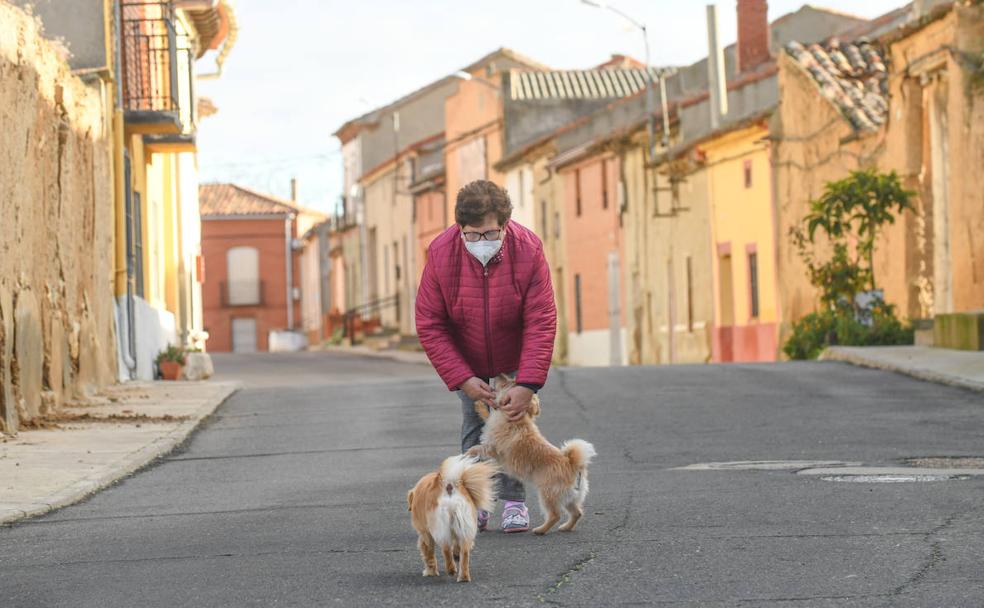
(244, 335)
(614, 311)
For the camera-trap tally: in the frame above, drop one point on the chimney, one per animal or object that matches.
(293, 189)
(753, 34)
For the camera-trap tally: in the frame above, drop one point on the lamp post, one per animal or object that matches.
(649, 78)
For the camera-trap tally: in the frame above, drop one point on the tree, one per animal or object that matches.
(850, 215)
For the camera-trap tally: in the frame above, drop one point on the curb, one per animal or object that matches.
(835, 354)
(411, 357)
(131, 463)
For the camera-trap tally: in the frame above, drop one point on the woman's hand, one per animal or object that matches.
(478, 390)
(516, 402)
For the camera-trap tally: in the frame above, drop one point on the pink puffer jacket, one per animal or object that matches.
(483, 322)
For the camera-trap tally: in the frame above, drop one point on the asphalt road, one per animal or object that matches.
(293, 494)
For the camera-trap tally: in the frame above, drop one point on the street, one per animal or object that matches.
(293, 494)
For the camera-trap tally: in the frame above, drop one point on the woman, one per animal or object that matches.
(485, 306)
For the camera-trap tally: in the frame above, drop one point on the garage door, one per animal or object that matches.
(244, 335)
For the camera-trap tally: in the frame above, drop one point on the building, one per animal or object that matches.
(252, 265)
(902, 98)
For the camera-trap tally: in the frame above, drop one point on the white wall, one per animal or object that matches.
(593, 348)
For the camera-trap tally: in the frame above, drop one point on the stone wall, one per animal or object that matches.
(57, 337)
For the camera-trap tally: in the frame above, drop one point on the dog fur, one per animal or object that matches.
(560, 474)
(444, 510)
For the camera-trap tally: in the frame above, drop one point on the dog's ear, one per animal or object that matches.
(410, 500)
(534, 409)
(482, 410)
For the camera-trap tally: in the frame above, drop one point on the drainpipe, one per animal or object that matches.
(124, 270)
(289, 256)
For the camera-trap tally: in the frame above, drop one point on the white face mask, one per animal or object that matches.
(483, 250)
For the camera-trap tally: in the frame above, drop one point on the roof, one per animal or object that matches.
(851, 76)
(216, 200)
(351, 127)
(577, 84)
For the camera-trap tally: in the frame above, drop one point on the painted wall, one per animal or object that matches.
(56, 246)
(743, 230)
(473, 132)
(594, 250)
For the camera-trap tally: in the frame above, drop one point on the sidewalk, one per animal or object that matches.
(90, 446)
(960, 368)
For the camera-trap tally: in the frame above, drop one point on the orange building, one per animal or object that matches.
(246, 240)
(473, 122)
(592, 284)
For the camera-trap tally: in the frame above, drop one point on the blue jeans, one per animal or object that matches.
(471, 435)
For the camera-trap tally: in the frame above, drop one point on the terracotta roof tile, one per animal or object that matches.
(851, 75)
(230, 199)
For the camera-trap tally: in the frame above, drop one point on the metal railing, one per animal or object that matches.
(374, 307)
(241, 293)
(155, 57)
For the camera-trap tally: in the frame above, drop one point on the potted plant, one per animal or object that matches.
(170, 361)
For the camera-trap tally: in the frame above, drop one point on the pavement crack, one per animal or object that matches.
(582, 409)
(565, 578)
(170, 558)
(304, 452)
(934, 558)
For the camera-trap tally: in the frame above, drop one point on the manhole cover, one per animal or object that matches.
(891, 478)
(947, 462)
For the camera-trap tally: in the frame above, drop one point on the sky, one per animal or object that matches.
(301, 68)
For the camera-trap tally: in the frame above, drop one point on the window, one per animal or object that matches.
(604, 184)
(543, 218)
(577, 190)
(748, 173)
(577, 302)
(242, 287)
(753, 282)
(690, 295)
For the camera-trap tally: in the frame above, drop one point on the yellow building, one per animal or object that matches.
(742, 231)
(158, 230)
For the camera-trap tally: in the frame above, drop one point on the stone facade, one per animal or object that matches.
(56, 246)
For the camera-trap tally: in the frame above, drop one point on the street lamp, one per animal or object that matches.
(649, 78)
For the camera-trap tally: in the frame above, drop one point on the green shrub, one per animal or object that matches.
(172, 353)
(816, 331)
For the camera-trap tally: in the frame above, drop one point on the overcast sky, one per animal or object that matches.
(301, 68)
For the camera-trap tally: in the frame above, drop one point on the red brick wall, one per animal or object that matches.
(267, 236)
(753, 33)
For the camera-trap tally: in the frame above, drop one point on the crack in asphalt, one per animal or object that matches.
(582, 409)
(565, 578)
(934, 558)
(304, 452)
(43, 522)
(167, 558)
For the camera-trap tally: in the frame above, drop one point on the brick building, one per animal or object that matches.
(246, 240)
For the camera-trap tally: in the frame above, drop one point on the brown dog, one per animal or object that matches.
(560, 475)
(444, 509)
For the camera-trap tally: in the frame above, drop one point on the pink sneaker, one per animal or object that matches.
(515, 517)
(483, 520)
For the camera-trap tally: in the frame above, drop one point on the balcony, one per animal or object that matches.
(241, 293)
(156, 58)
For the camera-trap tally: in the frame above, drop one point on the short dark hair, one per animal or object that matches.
(480, 198)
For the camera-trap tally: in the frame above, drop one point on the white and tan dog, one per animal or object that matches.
(444, 509)
(560, 474)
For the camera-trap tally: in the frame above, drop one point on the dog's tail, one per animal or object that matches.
(476, 476)
(579, 452)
